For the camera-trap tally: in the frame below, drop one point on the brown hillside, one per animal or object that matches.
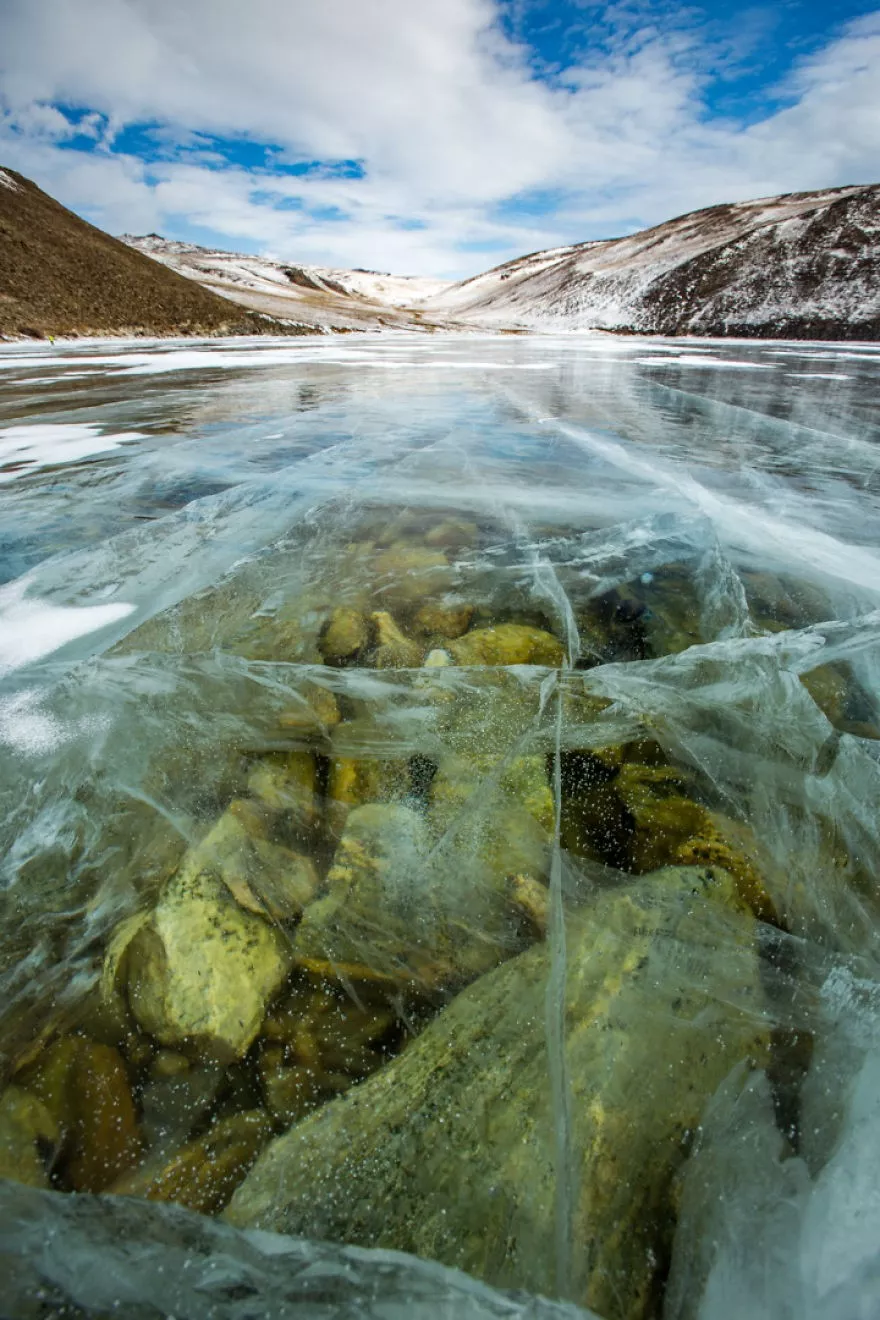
(60, 275)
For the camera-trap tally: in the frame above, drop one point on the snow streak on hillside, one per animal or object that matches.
(805, 265)
(338, 299)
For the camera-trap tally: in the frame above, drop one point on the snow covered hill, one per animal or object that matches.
(802, 265)
(337, 299)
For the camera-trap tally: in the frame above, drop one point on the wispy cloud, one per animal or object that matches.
(433, 138)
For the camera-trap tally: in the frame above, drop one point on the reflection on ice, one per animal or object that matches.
(432, 779)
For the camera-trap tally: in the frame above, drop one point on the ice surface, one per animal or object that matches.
(773, 1241)
(129, 1258)
(703, 545)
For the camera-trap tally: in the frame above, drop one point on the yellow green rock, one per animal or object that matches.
(347, 632)
(291, 1090)
(203, 1175)
(453, 534)
(202, 970)
(263, 877)
(169, 1063)
(320, 1039)
(842, 700)
(325, 1027)
(405, 574)
(507, 644)
(452, 1150)
(394, 650)
(447, 621)
(85, 1089)
(286, 781)
(365, 766)
(316, 710)
(29, 1137)
(426, 911)
(670, 828)
(438, 659)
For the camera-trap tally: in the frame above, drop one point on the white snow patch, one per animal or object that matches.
(685, 360)
(194, 359)
(31, 628)
(8, 182)
(41, 445)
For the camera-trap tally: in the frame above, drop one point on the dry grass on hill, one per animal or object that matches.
(60, 275)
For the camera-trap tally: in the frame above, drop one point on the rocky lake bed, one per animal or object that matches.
(440, 790)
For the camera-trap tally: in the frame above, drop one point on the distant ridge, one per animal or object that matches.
(60, 275)
(796, 266)
(323, 296)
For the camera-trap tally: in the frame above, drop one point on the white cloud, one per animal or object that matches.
(442, 109)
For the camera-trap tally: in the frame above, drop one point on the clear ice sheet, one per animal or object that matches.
(222, 531)
(96, 1257)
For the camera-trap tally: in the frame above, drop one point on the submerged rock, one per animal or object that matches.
(29, 1137)
(493, 821)
(438, 659)
(347, 632)
(316, 710)
(328, 1029)
(670, 828)
(355, 781)
(507, 644)
(453, 534)
(406, 574)
(842, 700)
(287, 782)
(453, 1150)
(262, 876)
(204, 1174)
(321, 1039)
(399, 906)
(394, 649)
(84, 1088)
(521, 782)
(375, 891)
(447, 621)
(202, 970)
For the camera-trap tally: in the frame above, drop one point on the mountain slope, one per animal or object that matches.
(60, 275)
(804, 265)
(319, 295)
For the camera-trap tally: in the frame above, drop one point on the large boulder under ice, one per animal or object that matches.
(464, 1150)
(125, 1257)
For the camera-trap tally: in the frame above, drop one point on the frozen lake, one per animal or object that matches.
(509, 704)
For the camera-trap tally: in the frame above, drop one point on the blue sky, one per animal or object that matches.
(431, 138)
